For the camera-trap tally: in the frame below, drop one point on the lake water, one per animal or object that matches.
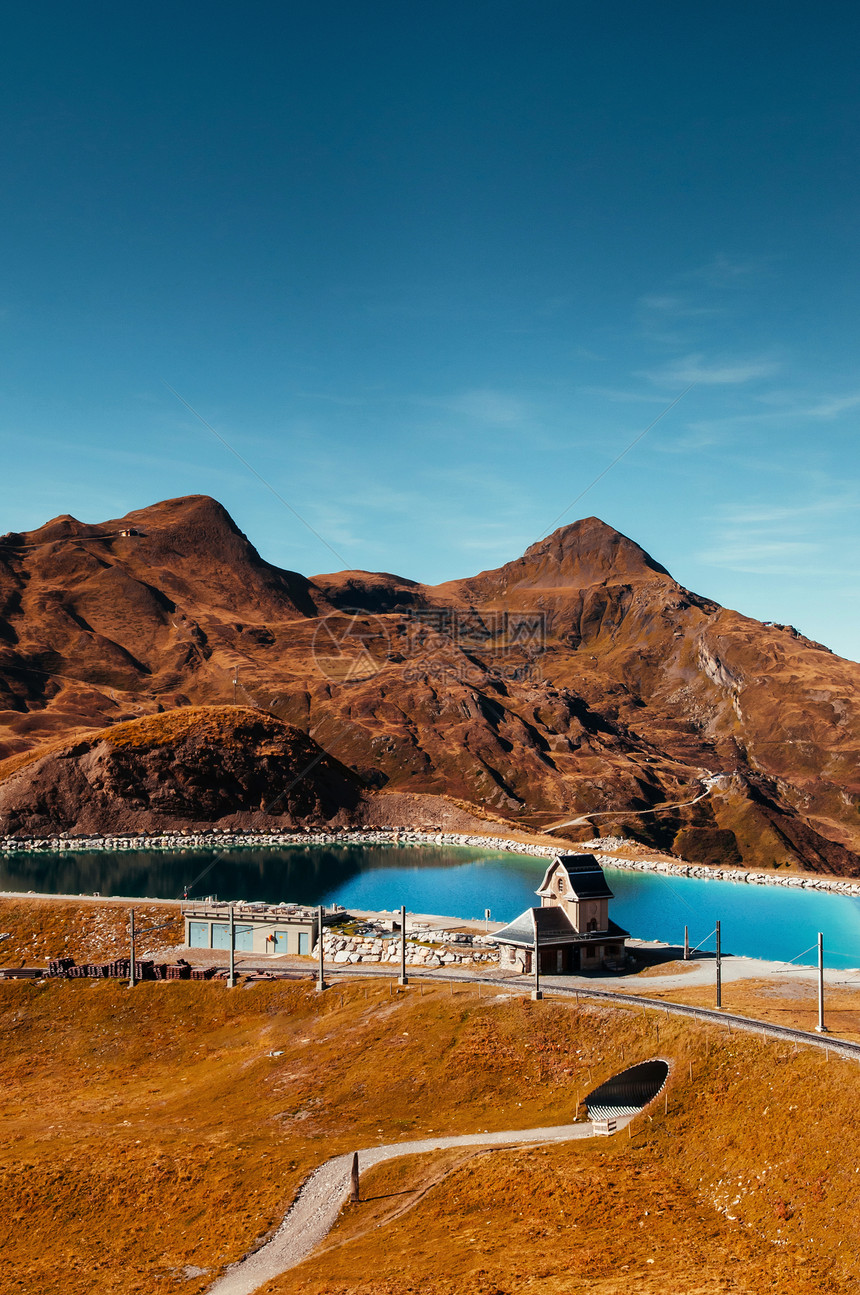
(771, 922)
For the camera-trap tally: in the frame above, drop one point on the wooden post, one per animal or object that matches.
(719, 970)
(821, 1027)
(131, 961)
(686, 944)
(231, 979)
(404, 980)
(353, 1180)
(321, 969)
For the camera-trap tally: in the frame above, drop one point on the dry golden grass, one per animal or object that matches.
(677, 967)
(742, 1184)
(789, 1001)
(12, 763)
(215, 722)
(41, 929)
(152, 1130)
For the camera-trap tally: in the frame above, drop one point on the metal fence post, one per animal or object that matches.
(231, 979)
(536, 992)
(403, 977)
(321, 970)
(821, 1028)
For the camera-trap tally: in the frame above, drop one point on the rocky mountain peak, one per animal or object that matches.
(588, 552)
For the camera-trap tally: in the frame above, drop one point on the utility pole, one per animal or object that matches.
(231, 979)
(353, 1180)
(404, 980)
(134, 933)
(321, 972)
(821, 1027)
(719, 970)
(686, 944)
(536, 992)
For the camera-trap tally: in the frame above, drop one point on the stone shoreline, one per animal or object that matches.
(601, 847)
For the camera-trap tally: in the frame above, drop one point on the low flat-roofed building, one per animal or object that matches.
(572, 927)
(258, 928)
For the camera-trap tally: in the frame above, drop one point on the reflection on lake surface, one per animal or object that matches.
(771, 922)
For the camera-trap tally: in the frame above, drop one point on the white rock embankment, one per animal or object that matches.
(351, 949)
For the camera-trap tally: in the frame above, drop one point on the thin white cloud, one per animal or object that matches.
(789, 538)
(694, 368)
(834, 406)
(667, 305)
(623, 397)
(765, 557)
(723, 271)
(795, 515)
(493, 407)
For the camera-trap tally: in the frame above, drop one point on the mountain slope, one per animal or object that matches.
(577, 680)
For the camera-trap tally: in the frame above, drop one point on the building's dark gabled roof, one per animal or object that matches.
(520, 931)
(554, 927)
(585, 873)
(615, 929)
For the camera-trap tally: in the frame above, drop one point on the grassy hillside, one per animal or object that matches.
(37, 930)
(152, 1136)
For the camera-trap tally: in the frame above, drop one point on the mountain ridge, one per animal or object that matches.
(577, 678)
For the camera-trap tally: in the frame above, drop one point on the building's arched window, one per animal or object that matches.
(592, 924)
(560, 884)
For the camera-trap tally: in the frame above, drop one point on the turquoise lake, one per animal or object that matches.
(771, 922)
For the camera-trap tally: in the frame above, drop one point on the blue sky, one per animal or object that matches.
(431, 269)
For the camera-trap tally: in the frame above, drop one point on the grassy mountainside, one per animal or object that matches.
(154, 1135)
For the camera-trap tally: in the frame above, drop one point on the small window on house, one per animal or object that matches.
(561, 885)
(592, 925)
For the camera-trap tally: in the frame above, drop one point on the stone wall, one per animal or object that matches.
(384, 948)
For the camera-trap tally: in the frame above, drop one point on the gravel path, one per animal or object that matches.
(314, 1211)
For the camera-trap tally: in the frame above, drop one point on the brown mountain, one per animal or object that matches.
(578, 681)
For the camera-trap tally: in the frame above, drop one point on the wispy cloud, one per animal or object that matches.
(797, 515)
(724, 271)
(695, 368)
(762, 557)
(677, 306)
(493, 407)
(619, 396)
(779, 539)
(833, 406)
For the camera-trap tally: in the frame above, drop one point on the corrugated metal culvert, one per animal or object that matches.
(627, 1093)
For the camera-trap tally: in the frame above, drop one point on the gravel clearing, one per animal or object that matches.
(314, 1212)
